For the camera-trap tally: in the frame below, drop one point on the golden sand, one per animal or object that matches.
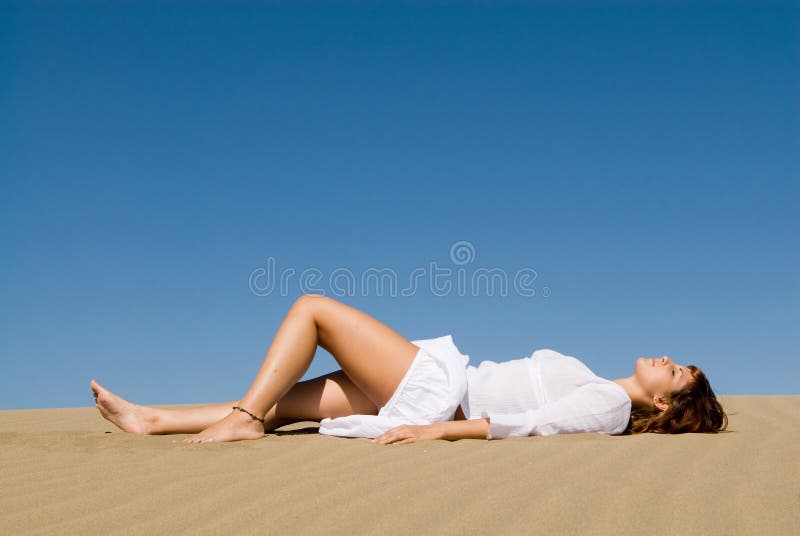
(64, 473)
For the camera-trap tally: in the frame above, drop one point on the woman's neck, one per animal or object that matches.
(635, 392)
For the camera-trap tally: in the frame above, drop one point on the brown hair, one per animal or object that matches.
(692, 409)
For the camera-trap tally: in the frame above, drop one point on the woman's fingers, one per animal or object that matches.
(387, 439)
(389, 435)
(401, 435)
(395, 439)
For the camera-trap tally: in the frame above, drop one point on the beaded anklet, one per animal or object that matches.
(253, 416)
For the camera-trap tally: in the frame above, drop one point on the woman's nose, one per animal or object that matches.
(665, 359)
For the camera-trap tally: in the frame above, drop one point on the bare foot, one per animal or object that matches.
(128, 416)
(234, 427)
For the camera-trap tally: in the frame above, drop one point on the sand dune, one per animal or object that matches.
(63, 472)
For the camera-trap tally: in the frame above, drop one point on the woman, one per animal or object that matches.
(398, 391)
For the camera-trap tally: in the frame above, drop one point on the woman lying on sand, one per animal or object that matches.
(398, 391)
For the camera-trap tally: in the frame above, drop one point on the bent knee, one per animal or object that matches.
(310, 302)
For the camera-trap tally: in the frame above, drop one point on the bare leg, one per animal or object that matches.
(137, 419)
(288, 358)
(331, 395)
(372, 355)
(193, 420)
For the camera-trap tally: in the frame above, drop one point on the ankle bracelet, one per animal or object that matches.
(253, 416)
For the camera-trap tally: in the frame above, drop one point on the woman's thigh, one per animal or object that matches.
(331, 395)
(371, 354)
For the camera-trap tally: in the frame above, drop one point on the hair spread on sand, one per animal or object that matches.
(693, 409)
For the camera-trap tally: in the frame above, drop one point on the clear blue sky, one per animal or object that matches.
(642, 160)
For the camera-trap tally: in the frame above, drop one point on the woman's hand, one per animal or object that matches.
(409, 433)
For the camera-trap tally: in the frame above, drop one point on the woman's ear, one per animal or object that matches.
(660, 402)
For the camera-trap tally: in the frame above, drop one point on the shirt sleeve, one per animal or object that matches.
(592, 407)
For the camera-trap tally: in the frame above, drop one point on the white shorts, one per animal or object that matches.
(430, 391)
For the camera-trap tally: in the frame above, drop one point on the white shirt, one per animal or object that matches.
(544, 394)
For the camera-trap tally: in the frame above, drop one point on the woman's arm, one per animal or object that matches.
(471, 429)
(592, 407)
(411, 433)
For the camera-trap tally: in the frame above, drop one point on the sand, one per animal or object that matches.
(70, 471)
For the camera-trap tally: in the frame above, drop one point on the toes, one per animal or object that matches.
(198, 440)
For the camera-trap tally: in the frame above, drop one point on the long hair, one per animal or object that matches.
(693, 409)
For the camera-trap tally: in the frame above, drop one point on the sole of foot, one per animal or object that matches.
(126, 415)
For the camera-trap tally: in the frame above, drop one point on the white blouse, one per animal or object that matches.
(544, 394)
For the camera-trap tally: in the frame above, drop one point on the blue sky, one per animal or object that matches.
(641, 159)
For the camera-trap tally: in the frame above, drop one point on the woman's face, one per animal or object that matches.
(661, 375)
